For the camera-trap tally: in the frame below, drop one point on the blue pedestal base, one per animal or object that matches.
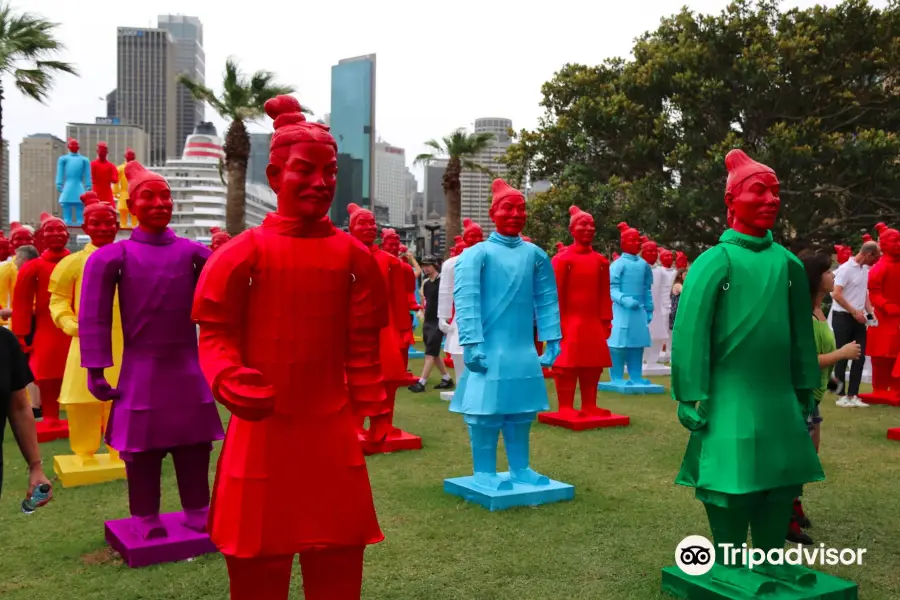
(626, 387)
(521, 494)
(414, 353)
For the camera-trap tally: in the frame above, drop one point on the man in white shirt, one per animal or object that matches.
(851, 309)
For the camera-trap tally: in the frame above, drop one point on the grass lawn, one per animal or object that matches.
(609, 544)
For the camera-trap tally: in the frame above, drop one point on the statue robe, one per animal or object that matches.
(303, 307)
(445, 306)
(585, 306)
(501, 287)
(73, 175)
(165, 401)
(883, 341)
(631, 276)
(8, 273)
(396, 335)
(662, 302)
(743, 347)
(120, 188)
(103, 175)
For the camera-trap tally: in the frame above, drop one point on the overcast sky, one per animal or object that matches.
(440, 65)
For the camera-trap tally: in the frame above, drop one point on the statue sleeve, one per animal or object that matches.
(804, 356)
(876, 292)
(95, 310)
(561, 273)
(62, 290)
(88, 184)
(201, 255)
(467, 295)
(115, 175)
(546, 299)
(692, 335)
(606, 310)
(368, 315)
(445, 292)
(23, 298)
(7, 285)
(615, 282)
(649, 288)
(60, 170)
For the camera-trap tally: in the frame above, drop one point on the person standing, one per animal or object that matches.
(851, 309)
(431, 332)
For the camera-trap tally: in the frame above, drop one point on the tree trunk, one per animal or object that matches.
(237, 154)
(453, 201)
(4, 223)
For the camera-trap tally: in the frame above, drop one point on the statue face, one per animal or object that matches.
(101, 226)
(55, 235)
(391, 245)
(631, 242)
(666, 258)
(153, 205)
(102, 151)
(843, 254)
(364, 228)
(650, 253)
(584, 230)
(472, 236)
(681, 261)
(5, 249)
(73, 145)
(306, 182)
(509, 215)
(129, 155)
(21, 237)
(218, 241)
(756, 203)
(889, 241)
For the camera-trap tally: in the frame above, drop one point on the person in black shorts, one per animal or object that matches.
(431, 333)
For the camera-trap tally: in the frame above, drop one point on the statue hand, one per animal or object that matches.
(607, 327)
(26, 349)
(630, 303)
(551, 353)
(99, 387)
(475, 358)
(69, 326)
(59, 188)
(246, 394)
(807, 402)
(649, 316)
(444, 326)
(691, 417)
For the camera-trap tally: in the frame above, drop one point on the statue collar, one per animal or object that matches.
(631, 257)
(506, 240)
(302, 228)
(54, 256)
(154, 239)
(749, 242)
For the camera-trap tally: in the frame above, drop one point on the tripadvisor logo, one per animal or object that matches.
(695, 555)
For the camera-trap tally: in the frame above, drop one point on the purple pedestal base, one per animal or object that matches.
(181, 543)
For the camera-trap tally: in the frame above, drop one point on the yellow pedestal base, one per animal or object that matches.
(73, 471)
(417, 339)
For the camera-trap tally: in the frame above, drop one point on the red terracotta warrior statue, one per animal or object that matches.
(843, 253)
(219, 238)
(681, 261)
(883, 340)
(104, 175)
(293, 357)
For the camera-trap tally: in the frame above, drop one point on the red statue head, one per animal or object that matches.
(19, 236)
(472, 233)
(525, 238)
(72, 144)
(649, 251)
(101, 221)
(866, 238)
(54, 233)
(879, 229)
(681, 261)
(581, 226)
(302, 167)
(751, 194)
(219, 238)
(390, 241)
(666, 257)
(507, 209)
(4, 247)
(149, 197)
(102, 150)
(403, 253)
(458, 243)
(615, 256)
(560, 247)
(629, 239)
(362, 224)
(889, 241)
(129, 155)
(843, 253)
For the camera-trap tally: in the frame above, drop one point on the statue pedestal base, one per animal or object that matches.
(521, 495)
(548, 373)
(73, 471)
(704, 587)
(47, 431)
(656, 370)
(886, 398)
(448, 361)
(629, 387)
(894, 434)
(447, 396)
(417, 339)
(180, 544)
(415, 353)
(397, 441)
(578, 421)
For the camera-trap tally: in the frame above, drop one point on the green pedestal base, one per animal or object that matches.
(705, 587)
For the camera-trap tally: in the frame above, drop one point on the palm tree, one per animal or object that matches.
(27, 47)
(460, 148)
(242, 101)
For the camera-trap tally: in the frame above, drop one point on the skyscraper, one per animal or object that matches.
(259, 158)
(435, 204)
(111, 109)
(38, 155)
(391, 183)
(117, 137)
(190, 60)
(476, 186)
(145, 94)
(352, 121)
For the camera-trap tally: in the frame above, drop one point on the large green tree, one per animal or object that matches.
(813, 93)
(461, 149)
(242, 100)
(27, 51)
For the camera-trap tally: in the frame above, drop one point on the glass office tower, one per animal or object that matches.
(352, 122)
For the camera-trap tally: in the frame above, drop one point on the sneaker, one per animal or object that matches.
(858, 403)
(445, 384)
(845, 402)
(416, 388)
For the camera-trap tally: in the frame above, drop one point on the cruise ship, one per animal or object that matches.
(197, 181)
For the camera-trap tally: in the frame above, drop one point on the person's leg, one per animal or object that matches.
(484, 433)
(587, 382)
(332, 573)
(566, 381)
(35, 394)
(257, 578)
(50, 389)
(843, 334)
(85, 419)
(516, 439)
(192, 474)
(856, 368)
(143, 471)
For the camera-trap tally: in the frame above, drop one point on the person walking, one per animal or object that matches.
(431, 332)
(852, 310)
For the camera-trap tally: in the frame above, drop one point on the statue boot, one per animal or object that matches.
(484, 440)
(516, 438)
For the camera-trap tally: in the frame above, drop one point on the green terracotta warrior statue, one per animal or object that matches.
(744, 368)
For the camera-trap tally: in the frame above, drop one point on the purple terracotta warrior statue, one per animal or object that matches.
(163, 403)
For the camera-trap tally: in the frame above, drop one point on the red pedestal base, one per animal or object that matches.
(576, 421)
(397, 441)
(548, 374)
(885, 398)
(894, 434)
(448, 361)
(47, 431)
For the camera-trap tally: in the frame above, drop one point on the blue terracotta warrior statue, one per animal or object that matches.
(73, 178)
(501, 286)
